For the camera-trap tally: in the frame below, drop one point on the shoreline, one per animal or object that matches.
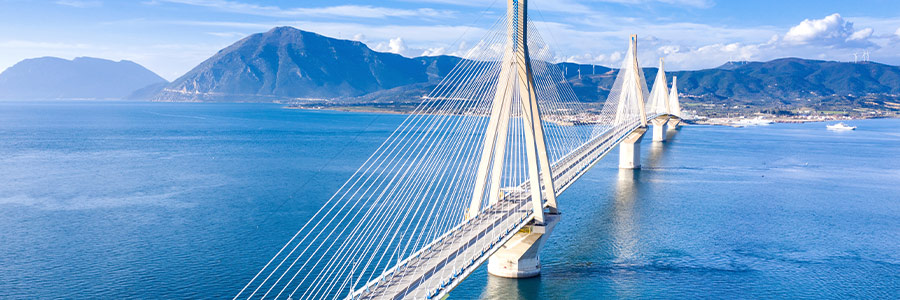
(365, 109)
(730, 122)
(746, 122)
(358, 109)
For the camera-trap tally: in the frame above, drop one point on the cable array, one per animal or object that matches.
(674, 103)
(415, 188)
(658, 103)
(628, 93)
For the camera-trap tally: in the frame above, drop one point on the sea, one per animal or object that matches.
(119, 200)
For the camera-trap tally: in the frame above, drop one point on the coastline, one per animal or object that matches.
(740, 121)
(748, 121)
(410, 110)
(359, 109)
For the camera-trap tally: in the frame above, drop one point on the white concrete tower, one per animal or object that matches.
(630, 147)
(659, 102)
(515, 76)
(519, 256)
(674, 105)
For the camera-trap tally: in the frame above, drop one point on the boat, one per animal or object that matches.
(840, 127)
(758, 121)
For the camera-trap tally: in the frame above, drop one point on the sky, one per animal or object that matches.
(170, 37)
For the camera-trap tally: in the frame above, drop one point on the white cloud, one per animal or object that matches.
(396, 45)
(897, 33)
(669, 49)
(711, 55)
(862, 34)
(460, 50)
(830, 38)
(566, 38)
(354, 11)
(435, 51)
(613, 59)
(832, 30)
(79, 4)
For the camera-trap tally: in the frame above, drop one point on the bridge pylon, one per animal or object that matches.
(516, 81)
(632, 94)
(659, 104)
(674, 105)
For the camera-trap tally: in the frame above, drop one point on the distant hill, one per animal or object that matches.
(788, 79)
(780, 81)
(288, 63)
(777, 86)
(48, 78)
(783, 81)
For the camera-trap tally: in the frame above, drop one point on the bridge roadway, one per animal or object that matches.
(426, 274)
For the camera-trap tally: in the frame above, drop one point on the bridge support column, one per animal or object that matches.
(519, 256)
(659, 129)
(673, 123)
(630, 149)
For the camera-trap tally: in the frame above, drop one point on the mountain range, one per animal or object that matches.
(782, 82)
(48, 78)
(286, 64)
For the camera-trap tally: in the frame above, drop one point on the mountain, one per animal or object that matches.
(791, 78)
(288, 63)
(48, 78)
(776, 86)
(785, 81)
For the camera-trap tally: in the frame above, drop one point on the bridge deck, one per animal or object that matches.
(467, 245)
(426, 275)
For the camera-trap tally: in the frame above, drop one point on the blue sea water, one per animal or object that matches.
(176, 200)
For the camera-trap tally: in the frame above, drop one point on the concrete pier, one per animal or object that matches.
(519, 257)
(630, 150)
(673, 123)
(659, 129)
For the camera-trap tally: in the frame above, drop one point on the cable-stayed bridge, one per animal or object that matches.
(473, 175)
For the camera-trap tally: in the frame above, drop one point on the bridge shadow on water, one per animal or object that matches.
(603, 242)
(600, 240)
(657, 152)
(507, 288)
(623, 228)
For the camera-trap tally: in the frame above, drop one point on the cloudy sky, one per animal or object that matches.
(172, 36)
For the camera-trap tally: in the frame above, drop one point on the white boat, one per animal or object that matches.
(753, 122)
(840, 127)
